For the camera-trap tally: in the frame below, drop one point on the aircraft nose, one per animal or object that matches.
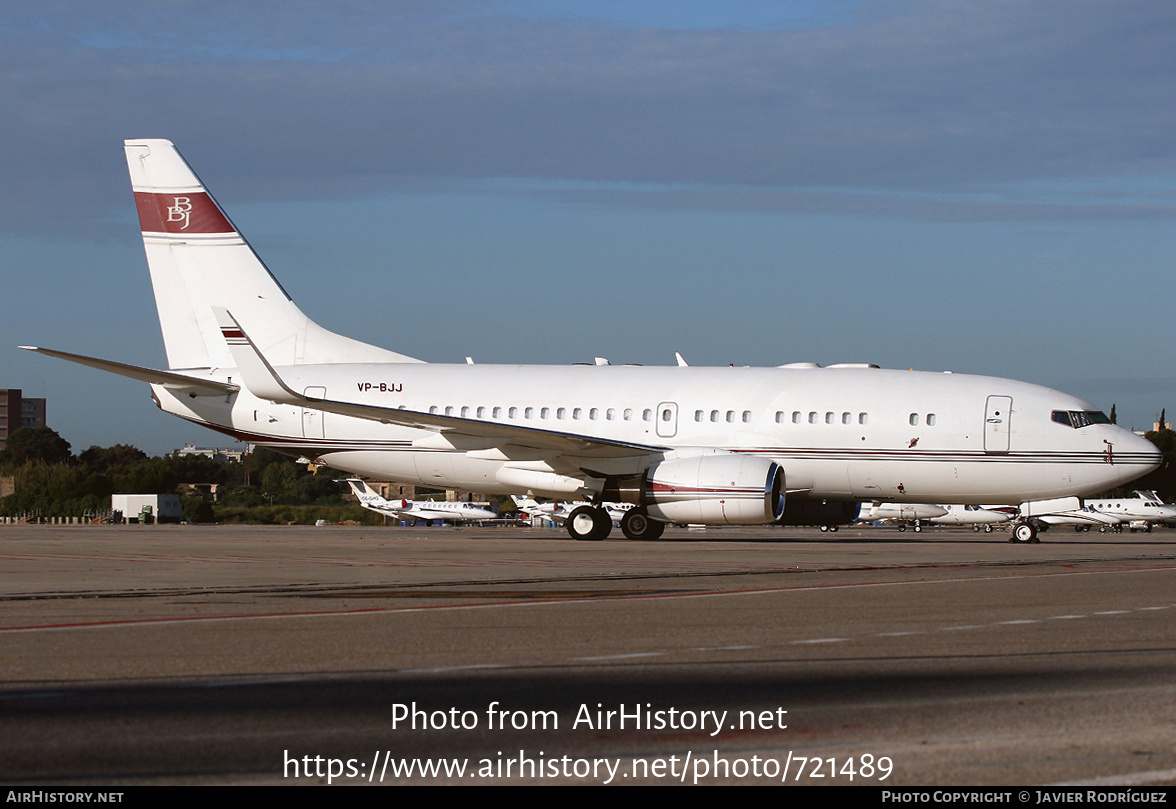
(1147, 453)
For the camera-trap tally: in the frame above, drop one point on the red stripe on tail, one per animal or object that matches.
(190, 212)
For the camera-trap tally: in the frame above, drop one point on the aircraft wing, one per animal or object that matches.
(169, 379)
(456, 433)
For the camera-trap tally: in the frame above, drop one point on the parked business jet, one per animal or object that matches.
(798, 444)
(975, 516)
(1083, 519)
(900, 513)
(1138, 513)
(418, 509)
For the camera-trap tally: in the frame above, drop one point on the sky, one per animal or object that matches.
(986, 187)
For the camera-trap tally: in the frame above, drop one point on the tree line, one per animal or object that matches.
(51, 481)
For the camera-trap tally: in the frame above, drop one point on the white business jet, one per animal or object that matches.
(900, 513)
(1083, 519)
(796, 444)
(418, 509)
(1138, 513)
(977, 517)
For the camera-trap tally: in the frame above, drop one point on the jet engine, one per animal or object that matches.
(718, 489)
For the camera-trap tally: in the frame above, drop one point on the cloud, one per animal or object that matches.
(904, 97)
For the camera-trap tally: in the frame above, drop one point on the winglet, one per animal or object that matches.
(258, 375)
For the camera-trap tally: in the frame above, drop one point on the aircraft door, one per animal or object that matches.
(997, 423)
(667, 419)
(312, 420)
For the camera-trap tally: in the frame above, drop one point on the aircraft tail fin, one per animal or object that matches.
(367, 496)
(198, 260)
(361, 488)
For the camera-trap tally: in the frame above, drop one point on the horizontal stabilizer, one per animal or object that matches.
(169, 379)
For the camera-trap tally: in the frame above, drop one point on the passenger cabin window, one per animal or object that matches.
(796, 417)
(914, 419)
(862, 418)
(747, 417)
(930, 419)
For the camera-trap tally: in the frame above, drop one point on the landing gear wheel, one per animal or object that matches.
(976, 529)
(918, 528)
(901, 528)
(588, 523)
(988, 529)
(1025, 533)
(824, 528)
(636, 524)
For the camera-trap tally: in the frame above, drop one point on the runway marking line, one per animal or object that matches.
(550, 601)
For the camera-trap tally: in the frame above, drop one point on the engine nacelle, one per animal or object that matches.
(720, 489)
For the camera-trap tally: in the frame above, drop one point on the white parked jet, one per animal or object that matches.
(975, 516)
(1139, 513)
(685, 444)
(418, 509)
(900, 513)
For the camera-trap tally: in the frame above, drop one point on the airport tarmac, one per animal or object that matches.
(302, 655)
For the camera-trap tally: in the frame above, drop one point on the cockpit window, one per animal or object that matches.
(1079, 418)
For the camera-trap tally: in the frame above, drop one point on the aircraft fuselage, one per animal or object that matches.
(838, 433)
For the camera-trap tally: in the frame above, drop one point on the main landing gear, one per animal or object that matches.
(1025, 533)
(589, 523)
(636, 524)
(593, 523)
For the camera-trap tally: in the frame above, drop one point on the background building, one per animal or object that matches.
(16, 412)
